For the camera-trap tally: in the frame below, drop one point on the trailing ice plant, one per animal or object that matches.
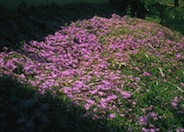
(111, 66)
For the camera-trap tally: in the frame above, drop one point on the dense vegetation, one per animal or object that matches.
(97, 74)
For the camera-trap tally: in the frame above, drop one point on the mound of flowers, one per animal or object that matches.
(100, 63)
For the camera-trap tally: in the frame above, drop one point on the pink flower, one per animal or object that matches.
(182, 84)
(146, 74)
(174, 104)
(10, 64)
(112, 116)
(93, 91)
(104, 87)
(126, 95)
(87, 106)
(90, 101)
(150, 129)
(103, 103)
(66, 90)
(142, 120)
(178, 56)
(122, 115)
(180, 130)
(106, 82)
(1, 59)
(101, 93)
(153, 115)
(145, 129)
(111, 97)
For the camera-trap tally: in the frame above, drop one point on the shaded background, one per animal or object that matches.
(28, 23)
(13, 4)
(25, 20)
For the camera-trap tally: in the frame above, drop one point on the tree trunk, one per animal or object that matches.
(137, 9)
(176, 3)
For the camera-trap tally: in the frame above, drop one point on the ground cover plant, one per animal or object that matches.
(125, 70)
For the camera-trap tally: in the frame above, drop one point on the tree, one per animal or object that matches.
(137, 8)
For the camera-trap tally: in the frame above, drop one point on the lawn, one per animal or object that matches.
(97, 74)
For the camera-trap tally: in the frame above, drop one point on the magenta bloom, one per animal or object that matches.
(111, 97)
(10, 64)
(112, 116)
(146, 74)
(94, 91)
(150, 129)
(90, 101)
(101, 93)
(178, 56)
(182, 84)
(174, 104)
(142, 120)
(180, 130)
(126, 95)
(153, 115)
(87, 106)
(145, 130)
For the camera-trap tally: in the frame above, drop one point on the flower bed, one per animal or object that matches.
(110, 66)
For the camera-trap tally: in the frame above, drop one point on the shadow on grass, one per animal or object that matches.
(34, 23)
(24, 110)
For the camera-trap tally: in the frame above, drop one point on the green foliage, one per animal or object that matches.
(173, 15)
(173, 18)
(149, 3)
(168, 16)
